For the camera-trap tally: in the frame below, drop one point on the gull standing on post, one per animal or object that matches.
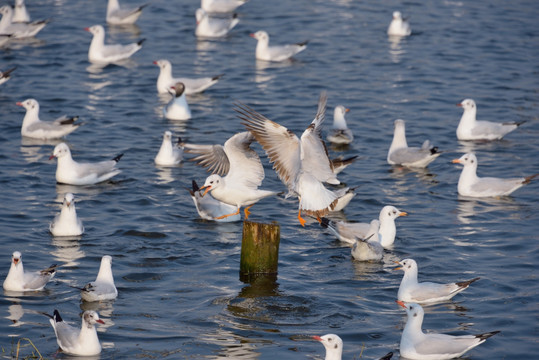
(169, 154)
(67, 223)
(416, 345)
(340, 134)
(74, 341)
(192, 85)
(474, 186)
(33, 127)
(221, 6)
(103, 54)
(117, 15)
(472, 129)
(275, 52)
(211, 27)
(19, 280)
(400, 154)
(18, 30)
(399, 26)
(103, 287)
(177, 108)
(425, 292)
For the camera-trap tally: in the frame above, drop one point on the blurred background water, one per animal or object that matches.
(179, 290)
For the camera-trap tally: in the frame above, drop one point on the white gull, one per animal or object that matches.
(18, 30)
(340, 133)
(101, 53)
(67, 223)
(75, 341)
(275, 52)
(399, 26)
(177, 108)
(19, 280)
(103, 287)
(192, 85)
(169, 154)
(400, 154)
(209, 208)
(118, 15)
(213, 27)
(20, 14)
(369, 248)
(221, 6)
(33, 127)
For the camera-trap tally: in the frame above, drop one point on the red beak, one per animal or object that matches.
(400, 303)
(155, 62)
(51, 157)
(86, 29)
(18, 103)
(100, 321)
(317, 338)
(459, 105)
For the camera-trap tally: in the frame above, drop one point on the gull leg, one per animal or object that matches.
(301, 220)
(318, 218)
(247, 212)
(227, 215)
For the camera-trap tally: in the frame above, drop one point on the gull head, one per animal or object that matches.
(468, 159)
(412, 309)
(391, 212)
(406, 265)
(167, 136)
(60, 150)
(397, 15)
(96, 29)
(467, 104)
(69, 199)
(91, 317)
(177, 89)
(16, 257)
(212, 182)
(260, 35)
(200, 14)
(162, 63)
(333, 343)
(29, 104)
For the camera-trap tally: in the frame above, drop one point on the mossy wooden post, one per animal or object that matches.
(259, 249)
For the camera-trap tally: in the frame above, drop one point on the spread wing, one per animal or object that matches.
(212, 157)
(245, 165)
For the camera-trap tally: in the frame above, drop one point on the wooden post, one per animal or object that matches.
(259, 249)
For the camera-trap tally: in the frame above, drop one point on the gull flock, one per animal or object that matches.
(301, 162)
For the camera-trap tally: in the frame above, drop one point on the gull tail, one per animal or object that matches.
(517, 123)
(56, 316)
(139, 43)
(486, 335)
(529, 178)
(118, 157)
(387, 356)
(465, 284)
(50, 270)
(7, 72)
(217, 77)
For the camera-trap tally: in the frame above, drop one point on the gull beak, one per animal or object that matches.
(208, 188)
(403, 213)
(459, 104)
(455, 161)
(155, 62)
(51, 157)
(68, 203)
(398, 263)
(86, 29)
(18, 103)
(15, 261)
(400, 303)
(346, 110)
(317, 338)
(252, 35)
(100, 321)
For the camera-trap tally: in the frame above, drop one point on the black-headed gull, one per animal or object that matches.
(70, 172)
(169, 154)
(302, 165)
(221, 6)
(410, 290)
(177, 108)
(18, 30)
(243, 169)
(75, 341)
(6, 75)
(333, 345)
(275, 52)
(103, 287)
(19, 280)
(340, 134)
(101, 53)
(33, 127)
(369, 248)
(192, 85)
(117, 15)
(474, 186)
(348, 232)
(416, 345)
(399, 26)
(400, 154)
(209, 208)
(472, 129)
(20, 14)
(213, 27)
(67, 223)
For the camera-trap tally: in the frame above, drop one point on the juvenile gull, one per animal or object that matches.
(192, 85)
(19, 280)
(33, 127)
(275, 52)
(74, 341)
(400, 154)
(67, 223)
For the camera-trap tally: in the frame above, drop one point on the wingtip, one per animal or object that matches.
(485, 336)
(139, 43)
(56, 316)
(118, 157)
(387, 356)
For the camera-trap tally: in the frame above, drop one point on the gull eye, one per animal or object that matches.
(336, 346)
(471, 161)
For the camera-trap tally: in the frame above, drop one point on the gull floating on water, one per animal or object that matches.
(348, 232)
(177, 108)
(213, 27)
(340, 134)
(333, 344)
(19, 29)
(209, 208)
(474, 186)
(425, 292)
(169, 154)
(399, 26)
(74, 341)
(33, 127)
(19, 280)
(416, 345)
(369, 248)
(103, 287)
(6, 75)
(117, 15)
(400, 154)
(20, 14)
(70, 172)
(67, 223)
(192, 85)
(472, 129)
(275, 52)
(221, 6)
(101, 53)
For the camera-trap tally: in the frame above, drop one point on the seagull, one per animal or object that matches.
(348, 232)
(18, 30)
(70, 172)
(212, 27)
(18, 280)
(302, 165)
(276, 52)
(20, 14)
(117, 15)
(243, 169)
(67, 223)
(221, 6)
(425, 292)
(417, 345)
(340, 133)
(6, 75)
(399, 26)
(177, 108)
(101, 53)
(83, 342)
(103, 287)
(400, 154)
(192, 85)
(471, 129)
(472, 185)
(369, 248)
(210, 208)
(169, 154)
(333, 345)
(33, 127)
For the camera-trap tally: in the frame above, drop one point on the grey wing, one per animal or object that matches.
(66, 334)
(445, 344)
(409, 155)
(212, 157)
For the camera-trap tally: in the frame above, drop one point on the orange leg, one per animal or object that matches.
(227, 215)
(318, 218)
(301, 220)
(247, 212)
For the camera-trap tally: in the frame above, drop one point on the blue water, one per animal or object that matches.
(180, 296)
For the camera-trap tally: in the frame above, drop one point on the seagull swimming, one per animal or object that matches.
(417, 345)
(74, 341)
(19, 280)
(425, 292)
(177, 108)
(209, 208)
(117, 15)
(221, 6)
(340, 134)
(192, 85)
(333, 345)
(399, 26)
(33, 127)
(169, 155)
(20, 14)
(101, 53)
(6, 75)
(474, 186)
(68, 171)
(471, 129)
(275, 52)
(67, 223)
(213, 27)
(400, 154)
(18, 29)
(103, 287)
(369, 248)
